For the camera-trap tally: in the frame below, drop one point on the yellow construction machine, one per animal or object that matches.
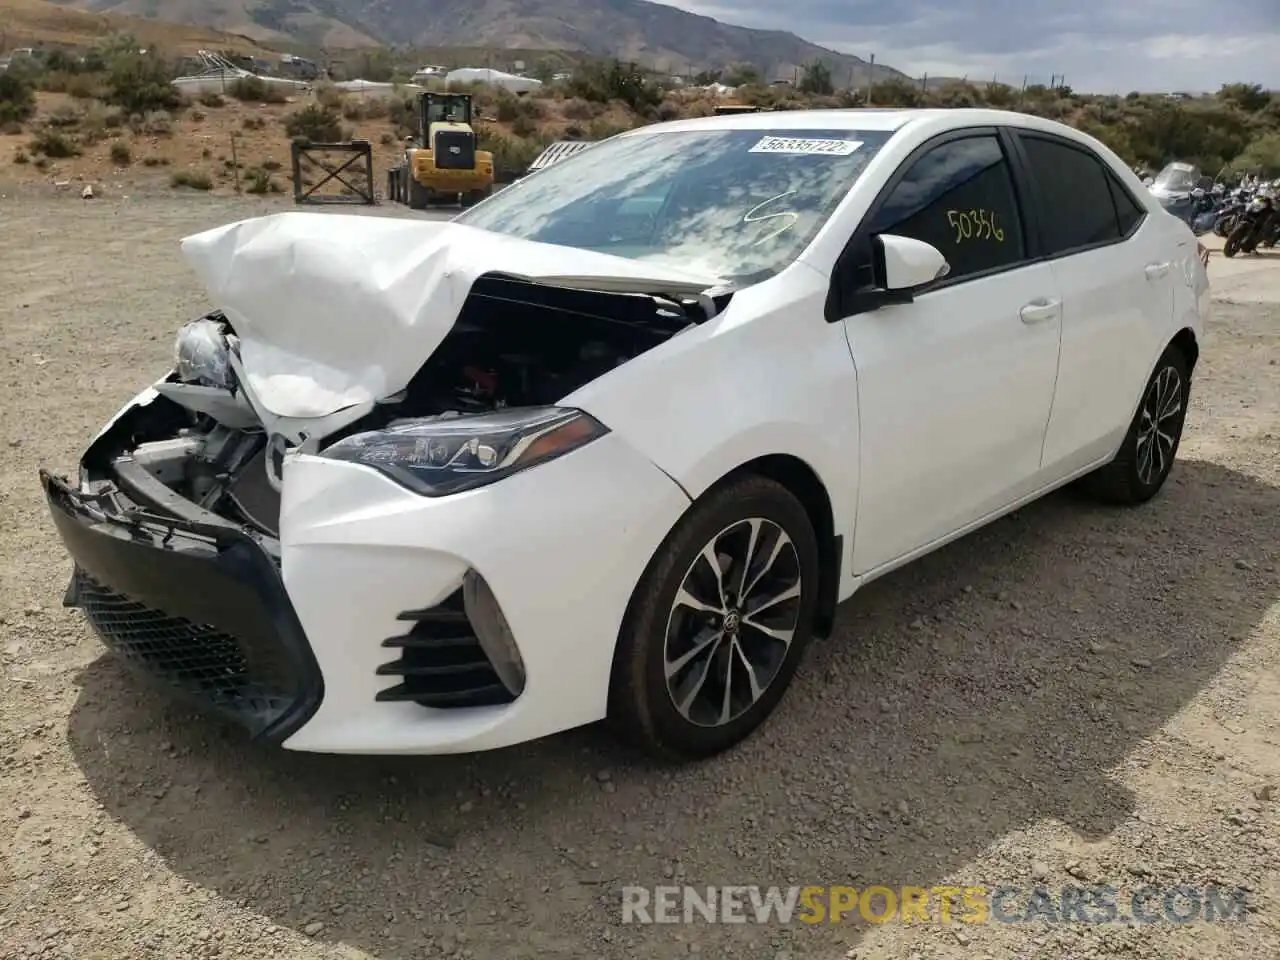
(442, 165)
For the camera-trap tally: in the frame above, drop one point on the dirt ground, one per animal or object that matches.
(1073, 695)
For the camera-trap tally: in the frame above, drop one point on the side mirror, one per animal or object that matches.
(904, 264)
(887, 270)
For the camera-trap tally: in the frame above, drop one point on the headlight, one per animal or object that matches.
(444, 455)
(201, 354)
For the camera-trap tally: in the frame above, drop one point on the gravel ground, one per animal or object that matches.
(1072, 695)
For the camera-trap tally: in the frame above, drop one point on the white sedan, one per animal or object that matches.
(616, 442)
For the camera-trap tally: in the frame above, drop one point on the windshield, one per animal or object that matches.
(730, 204)
(1177, 177)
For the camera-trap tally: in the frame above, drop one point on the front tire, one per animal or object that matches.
(1235, 241)
(420, 197)
(718, 623)
(1146, 456)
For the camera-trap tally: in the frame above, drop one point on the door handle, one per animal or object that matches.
(1155, 271)
(1038, 311)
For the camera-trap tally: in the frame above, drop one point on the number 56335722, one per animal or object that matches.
(975, 225)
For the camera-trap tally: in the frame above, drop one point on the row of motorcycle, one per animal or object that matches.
(1246, 215)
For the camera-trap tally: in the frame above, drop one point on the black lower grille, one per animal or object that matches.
(254, 684)
(455, 150)
(441, 661)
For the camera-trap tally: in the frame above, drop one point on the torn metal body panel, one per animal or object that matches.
(308, 347)
(336, 311)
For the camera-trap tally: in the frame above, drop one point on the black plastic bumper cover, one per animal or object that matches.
(199, 607)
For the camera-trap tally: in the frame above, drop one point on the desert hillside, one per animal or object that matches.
(650, 33)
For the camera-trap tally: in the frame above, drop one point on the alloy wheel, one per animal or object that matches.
(1157, 429)
(732, 622)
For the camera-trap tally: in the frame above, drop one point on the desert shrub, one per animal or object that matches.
(211, 99)
(604, 129)
(507, 108)
(82, 86)
(53, 144)
(896, 93)
(17, 99)
(153, 123)
(611, 80)
(363, 108)
(154, 161)
(956, 95)
(509, 153)
(327, 95)
(121, 155)
(316, 123)
(259, 182)
(402, 112)
(1263, 155)
(255, 90)
(140, 83)
(580, 109)
(99, 118)
(668, 110)
(192, 179)
(817, 79)
(65, 117)
(61, 61)
(524, 127)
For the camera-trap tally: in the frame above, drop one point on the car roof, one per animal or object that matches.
(888, 119)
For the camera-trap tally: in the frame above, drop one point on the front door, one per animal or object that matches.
(954, 389)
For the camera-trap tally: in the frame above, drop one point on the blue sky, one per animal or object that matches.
(1101, 45)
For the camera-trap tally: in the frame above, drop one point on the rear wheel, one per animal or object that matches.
(1146, 456)
(718, 623)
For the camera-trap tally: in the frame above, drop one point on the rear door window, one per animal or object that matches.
(1076, 196)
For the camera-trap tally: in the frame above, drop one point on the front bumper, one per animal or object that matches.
(561, 545)
(199, 607)
(355, 642)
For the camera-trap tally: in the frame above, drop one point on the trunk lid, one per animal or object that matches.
(333, 311)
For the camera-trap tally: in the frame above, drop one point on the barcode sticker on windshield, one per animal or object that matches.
(806, 147)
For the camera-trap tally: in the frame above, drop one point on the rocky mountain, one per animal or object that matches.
(651, 33)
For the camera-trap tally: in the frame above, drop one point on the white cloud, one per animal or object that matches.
(1100, 45)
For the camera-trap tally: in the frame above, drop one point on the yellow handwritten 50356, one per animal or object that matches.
(975, 225)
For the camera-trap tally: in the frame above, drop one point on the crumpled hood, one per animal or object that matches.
(338, 310)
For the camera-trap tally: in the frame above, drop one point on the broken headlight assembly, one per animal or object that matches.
(444, 455)
(202, 355)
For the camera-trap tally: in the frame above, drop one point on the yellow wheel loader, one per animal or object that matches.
(442, 165)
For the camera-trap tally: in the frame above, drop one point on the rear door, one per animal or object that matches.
(1113, 265)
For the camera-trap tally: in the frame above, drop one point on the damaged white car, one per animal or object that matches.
(615, 442)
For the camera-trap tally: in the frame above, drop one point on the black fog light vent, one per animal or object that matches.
(441, 662)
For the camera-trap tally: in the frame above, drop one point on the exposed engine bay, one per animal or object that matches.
(201, 447)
